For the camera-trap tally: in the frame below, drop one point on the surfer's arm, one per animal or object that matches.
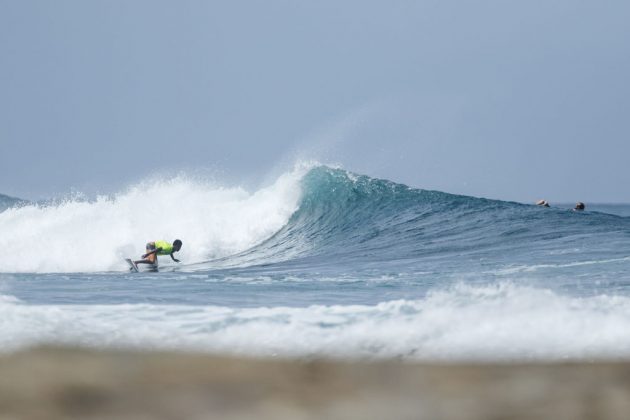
(174, 259)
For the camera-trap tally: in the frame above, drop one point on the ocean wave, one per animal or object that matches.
(315, 215)
(344, 217)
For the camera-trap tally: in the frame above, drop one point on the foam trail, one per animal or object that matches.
(212, 221)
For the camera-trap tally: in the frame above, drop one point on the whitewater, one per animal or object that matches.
(321, 262)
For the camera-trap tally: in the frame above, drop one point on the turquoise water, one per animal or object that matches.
(322, 262)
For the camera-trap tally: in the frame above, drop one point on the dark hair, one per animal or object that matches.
(177, 243)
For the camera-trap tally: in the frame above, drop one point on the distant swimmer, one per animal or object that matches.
(160, 248)
(542, 203)
(579, 206)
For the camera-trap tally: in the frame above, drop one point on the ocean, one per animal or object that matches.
(322, 262)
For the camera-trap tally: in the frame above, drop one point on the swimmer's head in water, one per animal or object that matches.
(579, 206)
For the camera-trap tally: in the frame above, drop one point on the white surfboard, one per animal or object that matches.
(132, 265)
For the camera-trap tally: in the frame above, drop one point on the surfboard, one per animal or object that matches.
(132, 266)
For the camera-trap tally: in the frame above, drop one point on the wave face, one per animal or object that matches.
(322, 262)
(344, 219)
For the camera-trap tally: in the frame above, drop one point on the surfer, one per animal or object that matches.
(542, 203)
(159, 248)
(579, 206)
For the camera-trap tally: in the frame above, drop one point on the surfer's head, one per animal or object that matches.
(579, 206)
(177, 245)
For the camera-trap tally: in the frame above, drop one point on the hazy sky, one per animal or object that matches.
(502, 99)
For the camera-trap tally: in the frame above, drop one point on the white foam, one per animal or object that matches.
(503, 322)
(8, 299)
(80, 236)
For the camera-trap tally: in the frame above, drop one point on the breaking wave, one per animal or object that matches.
(311, 214)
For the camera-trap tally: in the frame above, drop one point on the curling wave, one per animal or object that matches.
(343, 217)
(314, 216)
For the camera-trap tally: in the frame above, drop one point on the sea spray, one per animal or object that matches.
(88, 236)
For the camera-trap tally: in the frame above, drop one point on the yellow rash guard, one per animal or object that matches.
(167, 248)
